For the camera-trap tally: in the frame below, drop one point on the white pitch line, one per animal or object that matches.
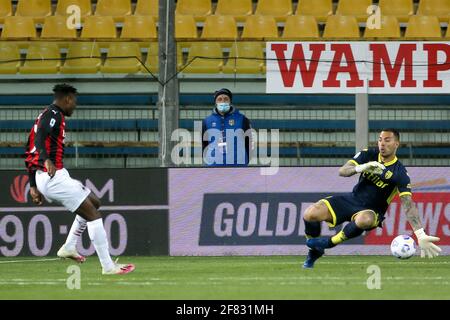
(29, 260)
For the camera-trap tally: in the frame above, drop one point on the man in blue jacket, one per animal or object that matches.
(226, 133)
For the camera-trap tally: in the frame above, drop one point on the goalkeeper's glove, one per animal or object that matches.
(370, 167)
(427, 247)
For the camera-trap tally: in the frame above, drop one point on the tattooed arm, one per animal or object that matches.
(348, 169)
(412, 214)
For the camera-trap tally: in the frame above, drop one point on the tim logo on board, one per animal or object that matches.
(256, 218)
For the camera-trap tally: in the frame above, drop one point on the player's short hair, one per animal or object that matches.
(62, 90)
(394, 131)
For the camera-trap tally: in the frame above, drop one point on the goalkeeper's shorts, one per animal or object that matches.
(344, 208)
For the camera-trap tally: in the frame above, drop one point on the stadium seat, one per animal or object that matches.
(253, 50)
(439, 8)
(18, 27)
(320, 9)
(223, 27)
(42, 51)
(279, 9)
(36, 9)
(341, 27)
(84, 5)
(204, 49)
(238, 9)
(390, 29)
(152, 61)
(5, 10)
(117, 9)
(82, 65)
(423, 27)
(99, 27)
(8, 52)
(301, 27)
(147, 8)
(258, 26)
(356, 8)
(198, 8)
(185, 27)
(401, 9)
(122, 65)
(56, 27)
(139, 27)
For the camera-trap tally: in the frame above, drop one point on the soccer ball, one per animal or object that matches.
(403, 247)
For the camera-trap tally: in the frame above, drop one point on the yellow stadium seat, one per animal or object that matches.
(74, 64)
(99, 27)
(185, 27)
(198, 8)
(239, 9)
(36, 9)
(279, 9)
(320, 9)
(258, 26)
(341, 27)
(9, 52)
(117, 9)
(56, 27)
(147, 8)
(423, 27)
(401, 9)
(439, 8)
(122, 65)
(204, 49)
(253, 50)
(5, 10)
(152, 61)
(139, 27)
(47, 55)
(390, 29)
(301, 27)
(84, 5)
(356, 8)
(223, 27)
(18, 27)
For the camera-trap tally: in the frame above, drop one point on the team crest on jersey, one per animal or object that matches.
(388, 174)
(214, 124)
(231, 122)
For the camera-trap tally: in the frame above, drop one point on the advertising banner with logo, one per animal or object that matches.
(358, 67)
(238, 211)
(134, 209)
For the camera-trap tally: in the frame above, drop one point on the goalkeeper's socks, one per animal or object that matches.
(350, 231)
(98, 237)
(78, 226)
(312, 229)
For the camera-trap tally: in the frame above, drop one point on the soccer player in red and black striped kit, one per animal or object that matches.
(49, 179)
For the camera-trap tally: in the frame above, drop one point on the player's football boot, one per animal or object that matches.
(120, 269)
(70, 254)
(313, 255)
(320, 244)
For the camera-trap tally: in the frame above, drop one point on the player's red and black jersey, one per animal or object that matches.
(377, 191)
(46, 141)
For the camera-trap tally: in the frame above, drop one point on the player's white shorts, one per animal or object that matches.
(62, 188)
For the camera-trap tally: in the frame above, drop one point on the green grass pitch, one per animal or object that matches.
(274, 277)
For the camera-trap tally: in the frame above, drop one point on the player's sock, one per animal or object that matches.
(98, 237)
(350, 231)
(312, 229)
(78, 226)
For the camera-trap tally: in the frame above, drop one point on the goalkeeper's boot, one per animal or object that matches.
(70, 254)
(313, 255)
(320, 244)
(119, 269)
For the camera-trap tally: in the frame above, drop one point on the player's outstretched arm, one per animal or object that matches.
(348, 169)
(427, 247)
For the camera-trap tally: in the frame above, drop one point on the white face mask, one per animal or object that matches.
(223, 107)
